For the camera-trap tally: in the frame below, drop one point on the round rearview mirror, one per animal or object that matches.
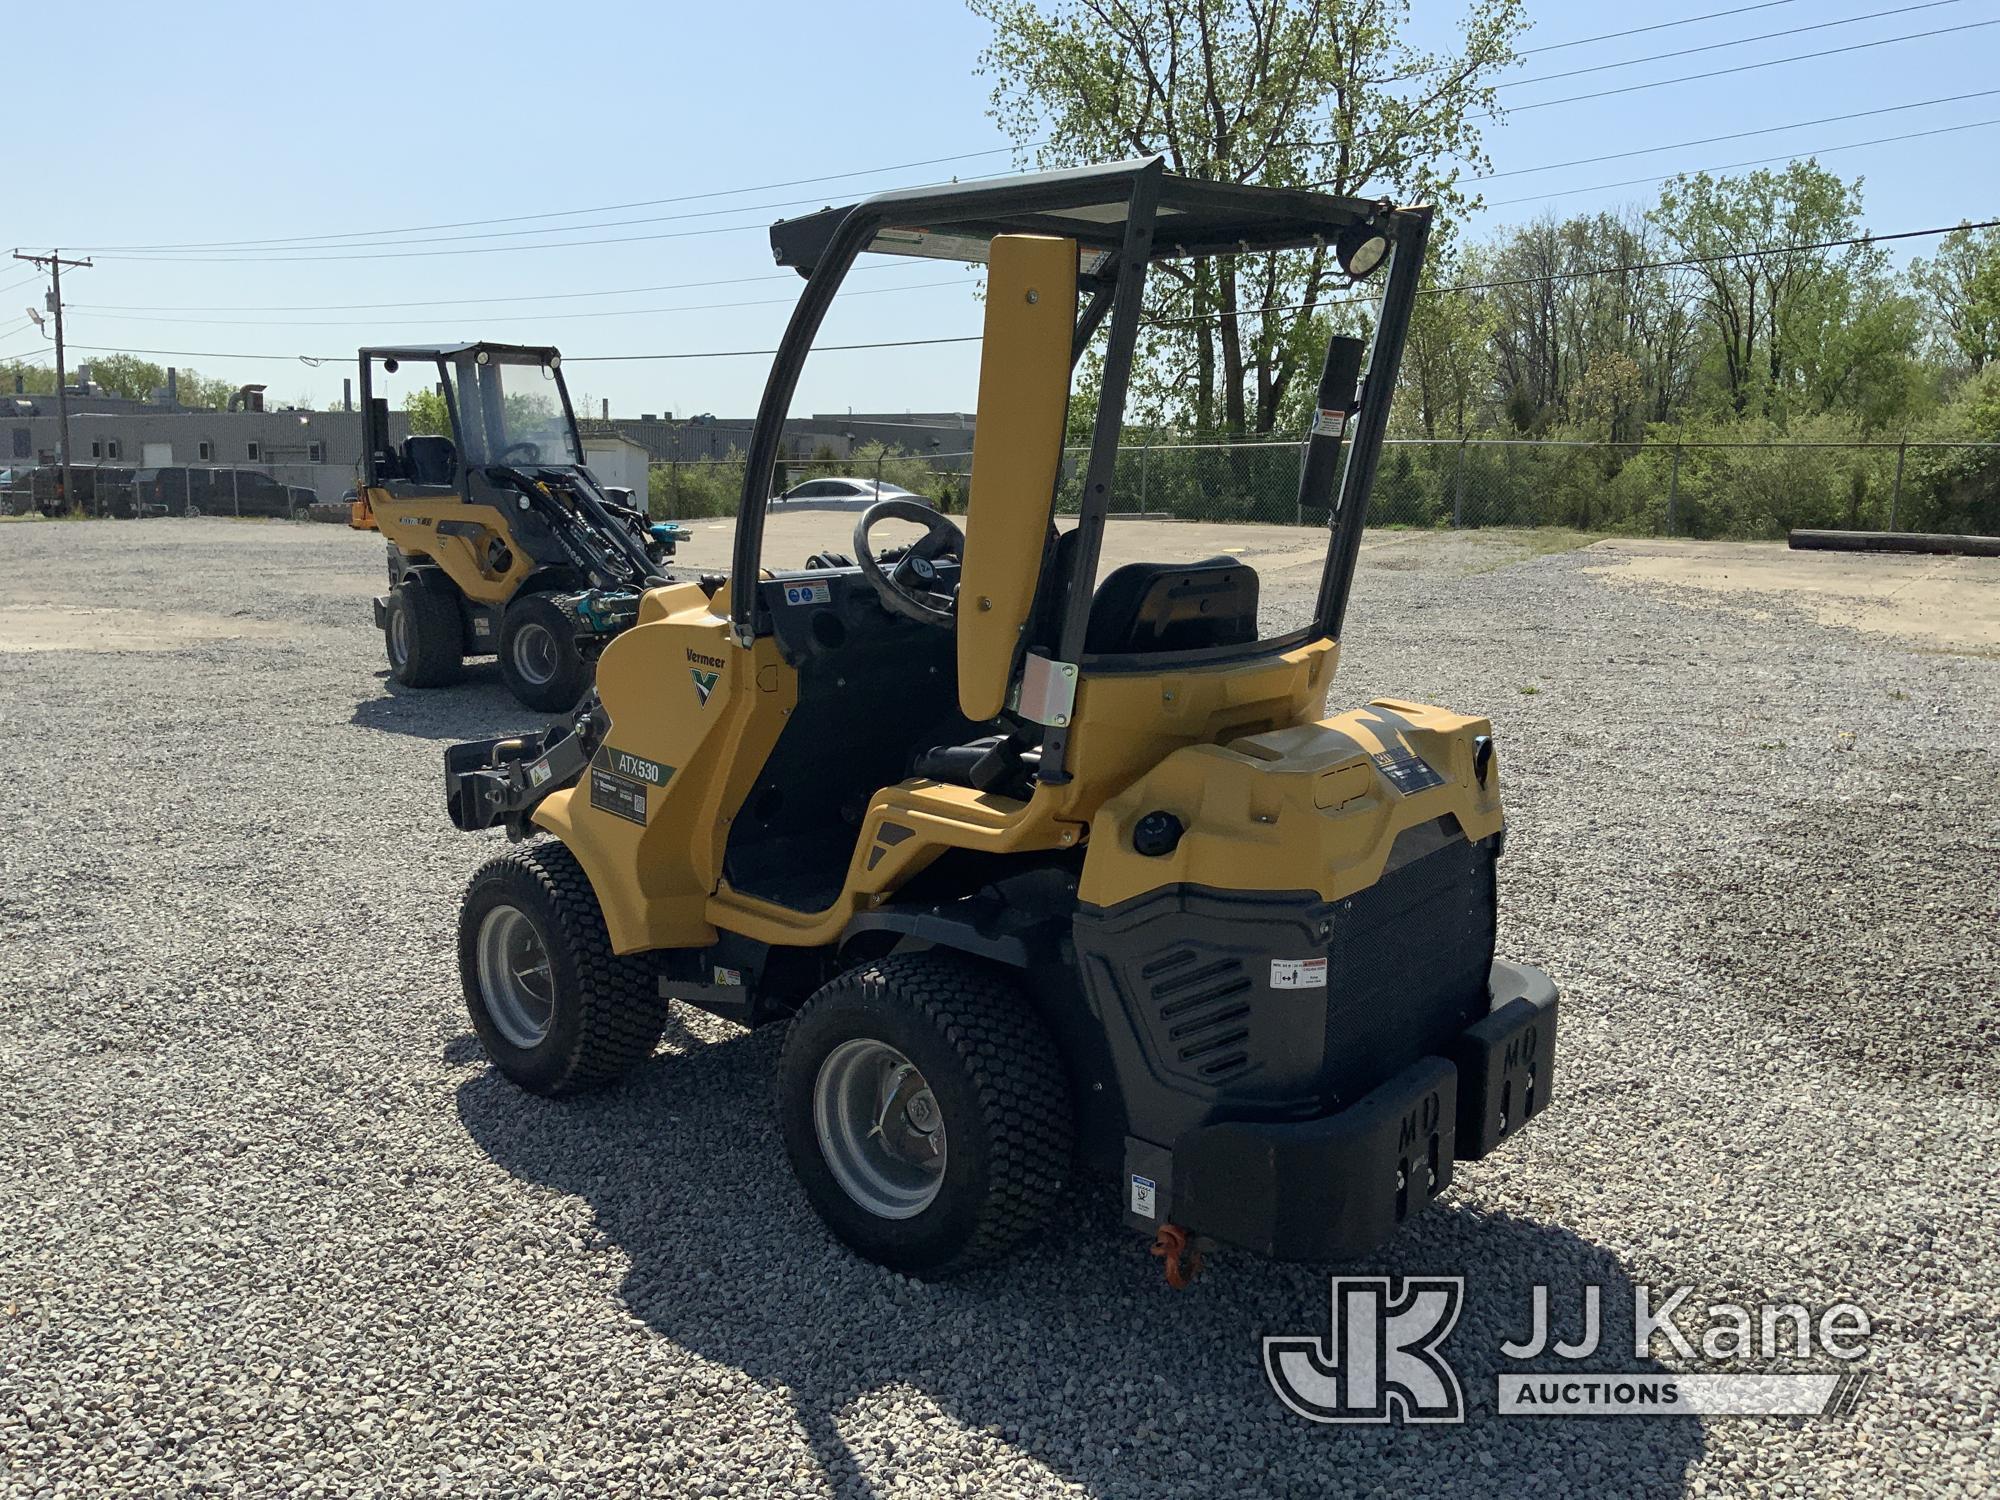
(392, 366)
(1360, 248)
(484, 357)
(555, 361)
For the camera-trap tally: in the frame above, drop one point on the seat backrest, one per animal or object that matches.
(1024, 373)
(430, 460)
(1162, 607)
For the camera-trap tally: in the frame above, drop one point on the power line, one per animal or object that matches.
(621, 312)
(1710, 140)
(622, 291)
(282, 254)
(1612, 36)
(1873, 15)
(10, 286)
(973, 338)
(568, 359)
(562, 213)
(278, 259)
(1757, 162)
(1658, 83)
(375, 234)
(896, 266)
(1619, 270)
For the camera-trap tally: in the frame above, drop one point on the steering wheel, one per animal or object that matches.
(910, 586)
(530, 452)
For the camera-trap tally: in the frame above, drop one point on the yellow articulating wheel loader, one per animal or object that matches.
(1046, 873)
(501, 542)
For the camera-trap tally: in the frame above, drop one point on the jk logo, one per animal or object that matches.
(704, 683)
(1379, 1359)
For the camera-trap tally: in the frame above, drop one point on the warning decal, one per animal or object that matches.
(1407, 773)
(1298, 973)
(1329, 423)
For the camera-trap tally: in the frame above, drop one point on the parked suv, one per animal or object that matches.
(187, 491)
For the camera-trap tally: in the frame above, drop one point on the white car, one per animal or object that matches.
(843, 494)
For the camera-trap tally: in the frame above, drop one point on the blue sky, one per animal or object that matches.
(145, 124)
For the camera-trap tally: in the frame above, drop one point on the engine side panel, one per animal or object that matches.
(457, 537)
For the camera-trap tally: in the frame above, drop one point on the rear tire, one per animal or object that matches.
(557, 1011)
(972, 1146)
(539, 659)
(424, 635)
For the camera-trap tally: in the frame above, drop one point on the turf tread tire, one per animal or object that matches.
(614, 1014)
(437, 633)
(1006, 1063)
(557, 614)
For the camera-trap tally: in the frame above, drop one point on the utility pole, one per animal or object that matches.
(53, 264)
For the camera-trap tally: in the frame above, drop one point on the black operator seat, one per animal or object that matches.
(1139, 608)
(430, 460)
(1148, 606)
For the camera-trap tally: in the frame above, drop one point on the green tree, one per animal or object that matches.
(1961, 285)
(136, 379)
(429, 416)
(1276, 92)
(1766, 301)
(36, 380)
(1575, 347)
(1448, 361)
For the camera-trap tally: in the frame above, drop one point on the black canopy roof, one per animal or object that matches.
(540, 353)
(1088, 204)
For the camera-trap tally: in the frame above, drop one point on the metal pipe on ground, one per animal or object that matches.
(1894, 541)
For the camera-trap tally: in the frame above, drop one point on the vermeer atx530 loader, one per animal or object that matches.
(1041, 872)
(500, 540)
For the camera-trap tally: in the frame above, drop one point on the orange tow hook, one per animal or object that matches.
(1181, 1260)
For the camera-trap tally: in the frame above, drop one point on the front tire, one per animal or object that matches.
(925, 1112)
(557, 1011)
(539, 659)
(424, 634)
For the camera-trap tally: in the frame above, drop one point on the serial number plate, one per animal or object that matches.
(618, 796)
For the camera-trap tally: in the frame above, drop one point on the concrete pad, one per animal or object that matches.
(1948, 603)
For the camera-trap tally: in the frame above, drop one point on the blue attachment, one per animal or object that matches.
(603, 611)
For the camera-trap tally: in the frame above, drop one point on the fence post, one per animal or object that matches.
(236, 490)
(1896, 492)
(1143, 452)
(880, 459)
(1458, 489)
(1673, 486)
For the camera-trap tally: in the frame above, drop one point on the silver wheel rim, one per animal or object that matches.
(536, 654)
(399, 636)
(880, 1128)
(515, 979)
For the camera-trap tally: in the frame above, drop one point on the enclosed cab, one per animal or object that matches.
(501, 542)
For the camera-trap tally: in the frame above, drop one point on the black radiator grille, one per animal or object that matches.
(1408, 961)
(1188, 980)
(1201, 1010)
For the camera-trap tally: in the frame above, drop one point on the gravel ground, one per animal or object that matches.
(268, 1225)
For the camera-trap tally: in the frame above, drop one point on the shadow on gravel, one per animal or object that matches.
(1075, 1352)
(476, 707)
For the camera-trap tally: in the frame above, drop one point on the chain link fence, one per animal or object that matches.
(120, 491)
(1696, 489)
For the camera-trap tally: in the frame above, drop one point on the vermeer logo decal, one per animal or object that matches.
(705, 681)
